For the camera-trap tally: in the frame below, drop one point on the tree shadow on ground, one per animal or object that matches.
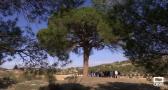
(107, 86)
(166, 83)
(126, 86)
(6, 82)
(67, 86)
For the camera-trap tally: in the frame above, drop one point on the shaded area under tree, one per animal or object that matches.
(107, 86)
(6, 82)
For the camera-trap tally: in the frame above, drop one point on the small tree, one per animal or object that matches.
(80, 31)
(15, 67)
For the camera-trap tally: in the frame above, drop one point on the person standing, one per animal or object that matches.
(116, 74)
(111, 74)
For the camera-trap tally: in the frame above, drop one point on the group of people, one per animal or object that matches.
(112, 74)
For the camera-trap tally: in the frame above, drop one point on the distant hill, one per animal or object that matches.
(2, 69)
(125, 67)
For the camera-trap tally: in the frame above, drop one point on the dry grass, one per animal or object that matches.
(88, 84)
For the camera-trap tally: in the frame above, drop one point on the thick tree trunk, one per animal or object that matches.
(85, 63)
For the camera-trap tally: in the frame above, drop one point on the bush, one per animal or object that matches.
(6, 82)
(69, 86)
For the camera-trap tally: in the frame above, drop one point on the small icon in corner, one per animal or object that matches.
(158, 81)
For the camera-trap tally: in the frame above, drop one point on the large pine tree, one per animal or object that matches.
(80, 31)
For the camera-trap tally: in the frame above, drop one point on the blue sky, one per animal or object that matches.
(98, 57)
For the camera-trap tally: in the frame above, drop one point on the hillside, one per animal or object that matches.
(125, 67)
